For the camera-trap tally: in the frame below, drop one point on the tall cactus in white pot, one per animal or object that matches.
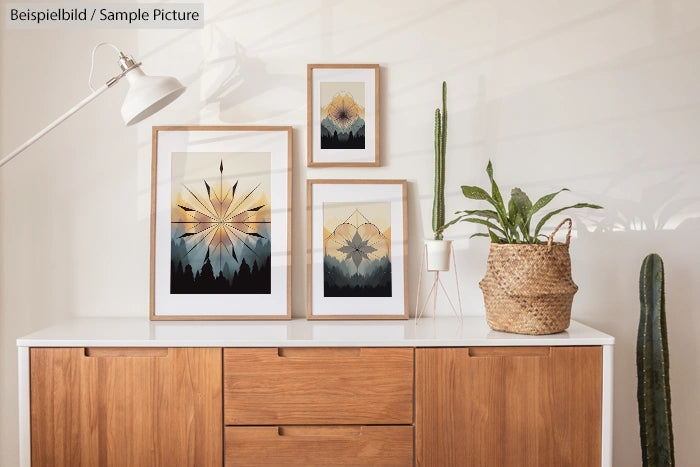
(438, 249)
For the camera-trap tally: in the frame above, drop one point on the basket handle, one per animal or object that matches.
(568, 234)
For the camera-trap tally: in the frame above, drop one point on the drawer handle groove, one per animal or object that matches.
(116, 352)
(490, 352)
(344, 431)
(319, 352)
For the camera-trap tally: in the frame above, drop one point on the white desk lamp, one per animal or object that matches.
(146, 96)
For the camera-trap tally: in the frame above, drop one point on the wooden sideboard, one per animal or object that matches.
(127, 392)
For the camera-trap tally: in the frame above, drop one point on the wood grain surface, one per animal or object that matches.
(293, 386)
(319, 446)
(131, 407)
(507, 407)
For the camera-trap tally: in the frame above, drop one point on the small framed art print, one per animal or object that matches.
(356, 260)
(343, 115)
(220, 222)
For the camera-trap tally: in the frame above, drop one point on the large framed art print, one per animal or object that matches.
(356, 260)
(220, 223)
(343, 115)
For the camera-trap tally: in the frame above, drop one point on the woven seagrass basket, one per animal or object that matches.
(528, 288)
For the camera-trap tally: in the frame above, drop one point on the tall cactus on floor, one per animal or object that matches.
(653, 389)
(440, 147)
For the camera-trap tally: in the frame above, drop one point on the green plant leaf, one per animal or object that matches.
(445, 226)
(479, 234)
(474, 192)
(487, 213)
(539, 204)
(499, 204)
(524, 205)
(520, 224)
(488, 224)
(515, 237)
(498, 200)
(522, 201)
(512, 210)
(557, 211)
(514, 220)
(495, 238)
(543, 201)
(495, 192)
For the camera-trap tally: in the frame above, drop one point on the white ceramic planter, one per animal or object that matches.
(438, 254)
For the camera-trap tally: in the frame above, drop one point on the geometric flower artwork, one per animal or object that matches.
(357, 250)
(220, 225)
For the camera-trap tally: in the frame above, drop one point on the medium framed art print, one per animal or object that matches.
(220, 222)
(343, 115)
(356, 260)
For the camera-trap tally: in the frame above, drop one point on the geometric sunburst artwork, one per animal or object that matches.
(357, 249)
(220, 223)
(342, 115)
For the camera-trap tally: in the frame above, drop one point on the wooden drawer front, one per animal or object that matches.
(307, 386)
(319, 445)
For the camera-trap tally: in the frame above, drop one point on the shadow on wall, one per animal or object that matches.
(661, 206)
(606, 262)
(230, 77)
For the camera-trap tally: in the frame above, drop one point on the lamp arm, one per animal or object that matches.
(58, 121)
(145, 104)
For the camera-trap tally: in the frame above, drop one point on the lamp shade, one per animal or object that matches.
(148, 94)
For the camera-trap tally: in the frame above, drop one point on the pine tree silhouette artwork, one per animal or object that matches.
(342, 115)
(220, 229)
(357, 250)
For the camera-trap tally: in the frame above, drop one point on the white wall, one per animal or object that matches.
(601, 96)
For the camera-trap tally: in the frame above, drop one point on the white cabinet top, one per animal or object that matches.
(429, 332)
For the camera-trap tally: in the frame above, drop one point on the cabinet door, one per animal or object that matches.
(126, 406)
(508, 406)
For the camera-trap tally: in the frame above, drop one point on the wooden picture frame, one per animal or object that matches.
(356, 249)
(220, 222)
(342, 103)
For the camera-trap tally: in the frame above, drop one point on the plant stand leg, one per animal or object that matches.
(420, 279)
(434, 289)
(436, 281)
(454, 310)
(459, 296)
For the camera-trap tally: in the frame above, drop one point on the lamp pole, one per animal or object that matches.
(148, 94)
(56, 122)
